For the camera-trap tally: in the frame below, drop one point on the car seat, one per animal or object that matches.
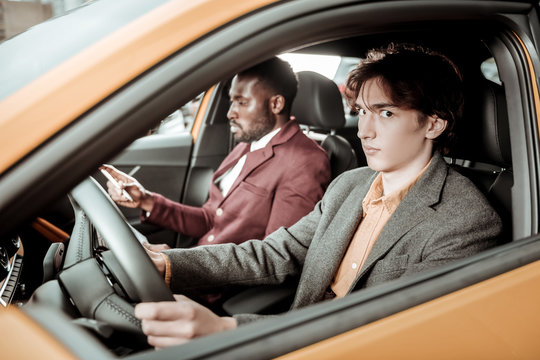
(482, 149)
(318, 108)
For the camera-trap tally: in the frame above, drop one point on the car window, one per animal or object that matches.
(489, 70)
(24, 33)
(19, 15)
(180, 120)
(332, 66)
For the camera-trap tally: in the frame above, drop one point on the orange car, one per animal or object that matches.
(91, 87)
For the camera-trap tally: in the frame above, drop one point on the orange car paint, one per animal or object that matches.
(489, 320)
(200, 113)
(24, 339)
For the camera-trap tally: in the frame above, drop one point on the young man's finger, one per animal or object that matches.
(174, 329)
(164, 311)
(163, 341)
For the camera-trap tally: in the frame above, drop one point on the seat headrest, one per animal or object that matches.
(483, 135)
(318, 102)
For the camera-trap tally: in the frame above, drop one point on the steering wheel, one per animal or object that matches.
(122, 241)
(92, 282)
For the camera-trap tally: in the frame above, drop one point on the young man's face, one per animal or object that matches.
(249, 113)
(392, 139)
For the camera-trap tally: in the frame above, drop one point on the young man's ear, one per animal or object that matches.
(277, 103)
(436, 127)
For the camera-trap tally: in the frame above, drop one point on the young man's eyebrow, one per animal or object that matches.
(377, 106)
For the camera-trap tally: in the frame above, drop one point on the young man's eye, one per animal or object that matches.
(386, 114)
(361, 112)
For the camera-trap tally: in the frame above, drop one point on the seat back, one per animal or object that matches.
(482, 149)
(318, 108)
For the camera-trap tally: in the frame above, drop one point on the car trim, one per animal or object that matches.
(201, 112)
(534, 84)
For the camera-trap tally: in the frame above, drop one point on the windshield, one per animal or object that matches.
(89, 22)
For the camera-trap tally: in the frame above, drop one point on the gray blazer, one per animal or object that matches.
(443, 217)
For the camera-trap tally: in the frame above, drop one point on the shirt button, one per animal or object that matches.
(219, 212)
(211, 238)
(354, 265)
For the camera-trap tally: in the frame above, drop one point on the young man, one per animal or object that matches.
(271, 179)
(405, 213)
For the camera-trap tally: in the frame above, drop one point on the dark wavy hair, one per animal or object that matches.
(277, 75)
(414, 78)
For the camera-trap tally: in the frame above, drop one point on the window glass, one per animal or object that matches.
(326, 65)
(489, 69)
(333, 67)
(181, 120)
(18, 15)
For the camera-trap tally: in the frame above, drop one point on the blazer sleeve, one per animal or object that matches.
(254, 262)
(188, 220)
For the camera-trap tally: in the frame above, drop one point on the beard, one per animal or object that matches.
(260, 127)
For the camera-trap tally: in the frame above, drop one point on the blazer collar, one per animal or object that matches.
(288, 130)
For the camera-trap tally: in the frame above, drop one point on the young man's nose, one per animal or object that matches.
(366, 127)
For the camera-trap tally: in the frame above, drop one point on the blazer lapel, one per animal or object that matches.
(230, 160)
(256, 158)
(413, 209)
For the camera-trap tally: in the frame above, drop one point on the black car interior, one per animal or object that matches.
(319, 107)
(482, 150)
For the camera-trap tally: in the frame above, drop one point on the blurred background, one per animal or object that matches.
(18, 15)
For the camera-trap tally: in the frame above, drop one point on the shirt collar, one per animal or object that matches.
(392, 200)
(262, 142)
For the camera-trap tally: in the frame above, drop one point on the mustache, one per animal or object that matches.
(232, 122)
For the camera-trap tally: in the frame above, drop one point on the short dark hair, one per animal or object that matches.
(277, 75)
(415, 78)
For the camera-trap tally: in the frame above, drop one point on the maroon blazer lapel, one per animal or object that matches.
(254, 159)
(258, 157)
(231, 160)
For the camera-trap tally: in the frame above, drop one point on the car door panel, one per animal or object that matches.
(160, 163)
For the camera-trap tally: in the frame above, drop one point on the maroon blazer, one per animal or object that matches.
(277, 186)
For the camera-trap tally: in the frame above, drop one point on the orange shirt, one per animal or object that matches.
(377, 209)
